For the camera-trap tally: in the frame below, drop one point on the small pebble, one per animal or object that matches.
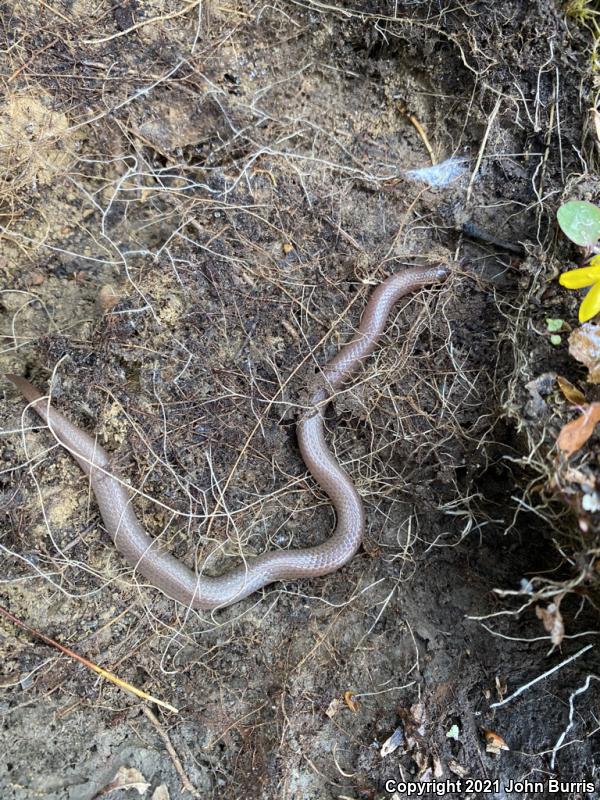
(35, 279)
(107, 297)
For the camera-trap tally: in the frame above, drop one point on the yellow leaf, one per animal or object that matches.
(595, 261)
(580, 278)
(590, 305)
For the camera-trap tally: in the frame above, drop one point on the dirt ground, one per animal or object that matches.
(195, 200)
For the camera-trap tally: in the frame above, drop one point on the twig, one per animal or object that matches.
(109, 676)
(420, 130)
(233, 725)
(561, 738)
(55, 11)
(185, 781)
(475, 232)
(482, 148)
(143, 23)
(526, 686)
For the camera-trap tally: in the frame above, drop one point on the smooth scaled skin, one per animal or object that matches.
(200, 591)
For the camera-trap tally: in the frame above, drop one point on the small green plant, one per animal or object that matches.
(554, 326)
(581, 10)
(580, 222)
(587, 13)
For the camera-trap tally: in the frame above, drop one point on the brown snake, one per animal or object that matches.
(171, 576)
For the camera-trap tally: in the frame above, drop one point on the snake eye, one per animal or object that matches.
(441, 272)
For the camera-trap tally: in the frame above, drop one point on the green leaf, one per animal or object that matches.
(453, 733)
(555, 339)
(554, 325)
(580, 221)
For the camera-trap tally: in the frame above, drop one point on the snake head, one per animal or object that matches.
(441, 271)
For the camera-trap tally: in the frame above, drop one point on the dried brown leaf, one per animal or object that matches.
(423, 762)
(574, 395)
(494, 743)
(552, 620)
(501, 687)
(128, 778)
(333, 707)
(457, 769)
(351, 701)
(584, 346)
(393, 742)
(576, 433)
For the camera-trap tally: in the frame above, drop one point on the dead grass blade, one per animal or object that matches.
(89, 664)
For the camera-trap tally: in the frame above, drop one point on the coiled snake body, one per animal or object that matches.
(171, 576)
